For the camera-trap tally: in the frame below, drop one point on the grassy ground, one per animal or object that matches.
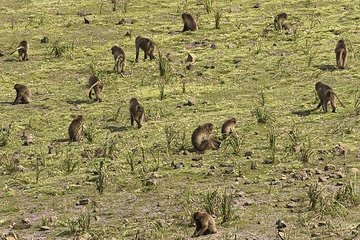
(154, 200)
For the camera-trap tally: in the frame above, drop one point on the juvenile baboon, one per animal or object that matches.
(97, 85)
(119, 57)
(326, 95)
(228, 127)
(205, 224)
(76, 129)
(146, 45)
(23, 94)
(279, 21)
(189, 22)
(137, 112)
(341, 54)
(22, 49)
(201, 138)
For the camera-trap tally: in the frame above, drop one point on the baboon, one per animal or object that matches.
(146, 45)
(76, 129)
(341, 54)
(228, 127)
(205, 224)
(97, 85)
(201, 138)
(279, 21)
(22, 49)
(137, 112)
(189, 22)
(23, 94)
(119, 57)
(326, 95)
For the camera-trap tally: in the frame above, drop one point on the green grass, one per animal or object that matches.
(283, 67)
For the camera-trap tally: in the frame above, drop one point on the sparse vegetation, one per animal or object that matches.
(245, 70)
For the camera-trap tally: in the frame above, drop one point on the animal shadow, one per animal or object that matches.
(326, 67)
(303, 113)
(78, 102)
(116, 129)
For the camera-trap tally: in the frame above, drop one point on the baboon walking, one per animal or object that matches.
(341, 54)
(201, 138)
(189, 22)
(137, 112)
(119, 57)
(326, 95)
(146, 45)
(96, 85)
(23, 94)
(205, 224)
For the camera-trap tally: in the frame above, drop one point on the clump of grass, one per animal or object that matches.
(161, 86)
(347, 194)
(69, 162)
(89, 133)
(235, 142)
(101, 178)
(39, 166)
(218, 15)
(130, 158)
(58, 48)
(208, 4)
(171, 135)
(79, 225)
(260, 112)
(164, 75)
(5, 135)
(273, 136)
(294, 137)
(227, 210)
(357, 103)
(314, 195)
(9, 163)
(306, 152)
(211, 201)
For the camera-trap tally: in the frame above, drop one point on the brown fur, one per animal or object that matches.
(76, 129)
(228, 127)
(205, 224)
(189, 22)
(279, 22)
(137, 112)
(119, 57)
(147, 46)
(341, 54)
(326, 95)
(201, 138)
(23, 94)
(96, 85)
(22, 50)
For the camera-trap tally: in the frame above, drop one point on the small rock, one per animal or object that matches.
(197, 165)
(212, 167)
(191, 102)
(280, 224)
(295, 199)
(51, 149)
(128, 34)
(248, 203)
(321, 224)
(338, 184)
(322, 179)
(177, 165)
(338, 150)
(213, 46)
(44, 228)
(290, 205)
(315, 235)
(151, 182)
(84, 201)
(257, 5)
(340, 174)
(354, 170)
(248, 153)
(86, 21)
(268, 161)
(211, 173)
(2, 53)
(329, 167)
(190, 58)
(318, 172)
(10, 236)
(209, 66)
(44, 40)
(196, 158)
